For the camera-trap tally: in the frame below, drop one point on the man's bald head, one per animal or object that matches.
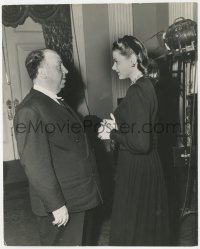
(34, 61)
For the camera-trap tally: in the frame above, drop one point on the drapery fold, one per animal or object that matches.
(58, 34)
(14, 15)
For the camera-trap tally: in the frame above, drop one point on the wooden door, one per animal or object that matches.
(17, 43)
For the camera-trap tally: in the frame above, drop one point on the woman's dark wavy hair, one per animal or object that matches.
(129, 45)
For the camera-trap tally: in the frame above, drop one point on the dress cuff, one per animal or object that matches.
(113, 134)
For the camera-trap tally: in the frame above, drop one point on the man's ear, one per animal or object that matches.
(42, 73)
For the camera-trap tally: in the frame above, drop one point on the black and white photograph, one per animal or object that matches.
(99, 123)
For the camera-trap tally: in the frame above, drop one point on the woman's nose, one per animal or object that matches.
(114, 67)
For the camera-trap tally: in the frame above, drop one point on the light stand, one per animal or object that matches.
(181, 40)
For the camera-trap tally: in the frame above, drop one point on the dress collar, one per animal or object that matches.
(137, 78)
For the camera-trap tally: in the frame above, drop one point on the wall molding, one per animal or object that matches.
(180, 10)
(78, 43)
(120, 24)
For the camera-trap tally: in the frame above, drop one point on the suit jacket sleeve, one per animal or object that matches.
(35, 157)
(135, 138)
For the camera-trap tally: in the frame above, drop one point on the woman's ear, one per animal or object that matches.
(133, 60)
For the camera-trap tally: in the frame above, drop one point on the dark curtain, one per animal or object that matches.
(14, 15)
(58, 35)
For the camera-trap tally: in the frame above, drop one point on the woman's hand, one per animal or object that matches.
(114, 124)
(101, 130)
(107, 125)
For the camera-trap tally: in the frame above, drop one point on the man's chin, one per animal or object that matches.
(60, 88)
(62, 85)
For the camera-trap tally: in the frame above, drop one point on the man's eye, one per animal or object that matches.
(59, 67)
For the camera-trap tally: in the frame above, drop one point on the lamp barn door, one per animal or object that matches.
(17, 43)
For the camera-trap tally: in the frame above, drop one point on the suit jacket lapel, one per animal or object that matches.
(65, 106)
(73, 113)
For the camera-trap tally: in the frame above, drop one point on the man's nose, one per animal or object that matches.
(64, 69)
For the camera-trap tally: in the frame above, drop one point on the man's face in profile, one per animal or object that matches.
(55, 71)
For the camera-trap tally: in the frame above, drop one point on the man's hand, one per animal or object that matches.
(61, 216)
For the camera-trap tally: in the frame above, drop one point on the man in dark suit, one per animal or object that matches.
(56, 156)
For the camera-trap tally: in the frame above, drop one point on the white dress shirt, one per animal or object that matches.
(47, 92)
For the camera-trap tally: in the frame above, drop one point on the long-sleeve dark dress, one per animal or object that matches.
(140, 208)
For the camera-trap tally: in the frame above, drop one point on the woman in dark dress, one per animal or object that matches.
(140, 208)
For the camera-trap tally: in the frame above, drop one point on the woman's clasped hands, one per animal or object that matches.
(107, 125)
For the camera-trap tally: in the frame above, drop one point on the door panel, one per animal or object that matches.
(8, 148)
(17, 43)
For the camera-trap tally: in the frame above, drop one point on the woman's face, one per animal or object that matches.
(122, 65)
